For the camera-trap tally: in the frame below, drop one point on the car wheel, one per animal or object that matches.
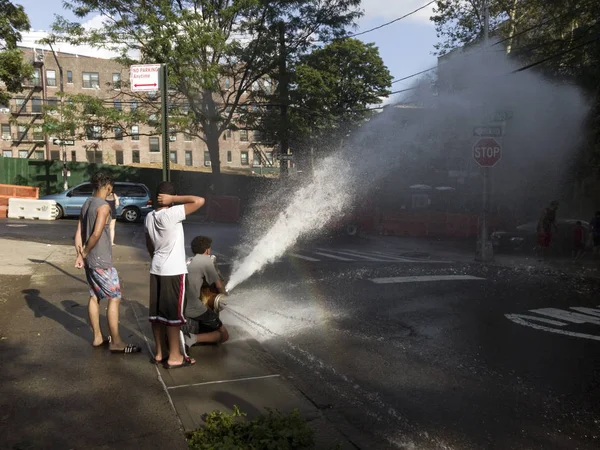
(131, 215)
(351, 230)
(60, 212)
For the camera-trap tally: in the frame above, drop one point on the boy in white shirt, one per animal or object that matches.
(168, 270)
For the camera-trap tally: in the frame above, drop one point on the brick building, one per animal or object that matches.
(22, 119)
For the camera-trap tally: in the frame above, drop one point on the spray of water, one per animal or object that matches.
(401, 142)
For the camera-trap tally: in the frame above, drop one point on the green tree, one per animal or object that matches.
(13, 67)
(333, 89)
(217, 51)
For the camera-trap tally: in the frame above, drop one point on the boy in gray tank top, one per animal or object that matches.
(94, 253)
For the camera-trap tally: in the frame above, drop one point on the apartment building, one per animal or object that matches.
(22, 119)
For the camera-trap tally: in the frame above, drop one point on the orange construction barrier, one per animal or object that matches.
(14, 191)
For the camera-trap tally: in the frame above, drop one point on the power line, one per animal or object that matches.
(392, 21)
(414, 75)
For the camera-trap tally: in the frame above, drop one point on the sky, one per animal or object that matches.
(405, 46)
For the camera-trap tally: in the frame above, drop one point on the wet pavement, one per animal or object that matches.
(416, 346)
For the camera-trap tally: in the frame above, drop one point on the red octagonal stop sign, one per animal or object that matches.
(487, 152)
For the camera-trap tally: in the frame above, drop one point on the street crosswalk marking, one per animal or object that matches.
(349, 255)
(306, 258)
(421, 278)
(329, 255)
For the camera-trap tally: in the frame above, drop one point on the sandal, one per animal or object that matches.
(129, 348)
(153, 360)
(187, 362)
(105, 342)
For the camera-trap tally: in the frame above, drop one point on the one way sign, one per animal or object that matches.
(144, 78)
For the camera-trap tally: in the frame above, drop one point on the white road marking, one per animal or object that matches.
(329, 255)
(420, 278)
(521, 320)
(355, 255)
(306, 258)
(567, 316)
(224, 381)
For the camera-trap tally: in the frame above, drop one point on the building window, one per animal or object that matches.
(229, 159)
(187, 137)
(119, 157)
(23, 154)
(135, 133)
(154, 144)
(38, 154)
(116, 79)
(117, 105)
(258, 136)
(55, 155)
(93, 132)
(207, 159)
(52, 104)
(244, 158)
(51, 77)
(38, 133)
(73, 155)
(36, 79)
(6, 131)
(36, 104)
(7, 153)
(135, 156)
(227, 82)
(91, 80)
(69, 77)
(269, 156)
(94, 157)
(173, 156)
(133, 105)
(118, 134)
(256, 160)
(22, 132)
(188, 158)
(172, 134)
(20, 104)
(244, 135)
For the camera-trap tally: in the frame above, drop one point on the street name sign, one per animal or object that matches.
(144, 77)
(57, 141)
(487, 152)
(487, 131)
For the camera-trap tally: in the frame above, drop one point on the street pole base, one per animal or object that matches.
(485, 254)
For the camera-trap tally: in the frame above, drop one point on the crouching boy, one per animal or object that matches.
(205, 285)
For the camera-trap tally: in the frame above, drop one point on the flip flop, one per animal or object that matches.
(187, 362)
(153, 360)
(105, 342)
(129, 348)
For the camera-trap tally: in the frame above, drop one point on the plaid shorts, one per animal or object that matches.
(104, 283)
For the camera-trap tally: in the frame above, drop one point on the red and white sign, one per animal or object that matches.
(487, 152)
(144, 78)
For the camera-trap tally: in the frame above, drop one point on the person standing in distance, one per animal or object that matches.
(168, 270)
(94, 252)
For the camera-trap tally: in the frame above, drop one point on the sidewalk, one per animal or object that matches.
(58, 392)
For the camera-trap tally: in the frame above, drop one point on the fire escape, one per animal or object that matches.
(27, 111)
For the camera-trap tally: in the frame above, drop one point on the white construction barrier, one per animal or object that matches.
(28, 208)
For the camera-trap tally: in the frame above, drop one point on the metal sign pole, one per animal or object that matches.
(166, 175)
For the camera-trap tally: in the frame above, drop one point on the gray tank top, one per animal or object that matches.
(101, 255)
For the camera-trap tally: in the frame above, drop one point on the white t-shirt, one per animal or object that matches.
(166, 233)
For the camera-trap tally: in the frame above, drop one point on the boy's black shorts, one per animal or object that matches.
(205, 323)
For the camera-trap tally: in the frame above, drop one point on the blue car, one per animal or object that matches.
(135, 200)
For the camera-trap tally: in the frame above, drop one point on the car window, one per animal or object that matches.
(131, 191)
(120, 190)
(85, 190)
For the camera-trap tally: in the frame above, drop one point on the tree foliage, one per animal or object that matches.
(13, 68)
(217, 51)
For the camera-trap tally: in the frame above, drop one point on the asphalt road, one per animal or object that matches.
(409, 349)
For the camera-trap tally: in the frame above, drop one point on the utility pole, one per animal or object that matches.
(166, 173)
(61, 136)
(485, 253)
(283, 100)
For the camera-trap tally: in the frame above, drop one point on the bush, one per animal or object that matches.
(273, 431)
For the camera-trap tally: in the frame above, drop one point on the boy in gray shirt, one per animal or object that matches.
(205, 282)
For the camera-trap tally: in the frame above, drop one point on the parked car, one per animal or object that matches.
(134, 198)
(524, 237)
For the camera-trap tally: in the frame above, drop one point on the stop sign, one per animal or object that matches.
(487, 152)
